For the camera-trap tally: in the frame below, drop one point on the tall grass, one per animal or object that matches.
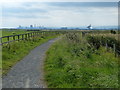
(73, 63)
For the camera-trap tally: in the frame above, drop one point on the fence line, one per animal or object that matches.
(114, 48)
(18, 37)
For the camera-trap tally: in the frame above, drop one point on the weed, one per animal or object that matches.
(74, 63)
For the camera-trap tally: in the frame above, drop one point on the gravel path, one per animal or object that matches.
(28, 73)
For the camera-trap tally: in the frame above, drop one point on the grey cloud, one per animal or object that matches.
(83, 4)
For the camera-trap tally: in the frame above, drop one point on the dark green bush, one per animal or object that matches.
(98, 41)
(113, 32)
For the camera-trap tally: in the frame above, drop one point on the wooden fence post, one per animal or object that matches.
(114, 49)
(22, 36)
(1, 40)
(83, 34)
(18, 37)
(13, 37)
(106, 46)
(8, 42)
(29, 35)
(33, 34)
(26, 36)
(39, 33)
(8, 38)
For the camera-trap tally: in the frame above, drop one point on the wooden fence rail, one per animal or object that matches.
(25, 36)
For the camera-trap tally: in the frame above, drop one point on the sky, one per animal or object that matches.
(72, 13)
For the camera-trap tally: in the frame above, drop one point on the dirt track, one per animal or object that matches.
(28, 73)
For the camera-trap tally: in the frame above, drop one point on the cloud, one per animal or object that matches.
(60, 14)
(83, 4)
(60, 0)
(23, 11)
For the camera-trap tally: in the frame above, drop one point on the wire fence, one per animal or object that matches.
(108, 42)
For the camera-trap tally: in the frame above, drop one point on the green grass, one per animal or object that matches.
(7, 33)
(73, 63)
(15, 51)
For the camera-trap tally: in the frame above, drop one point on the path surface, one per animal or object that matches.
(28, 73)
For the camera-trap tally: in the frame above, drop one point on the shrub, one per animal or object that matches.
(98, 41)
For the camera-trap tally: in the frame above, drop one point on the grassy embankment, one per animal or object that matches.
(15, 51)
(73, 63)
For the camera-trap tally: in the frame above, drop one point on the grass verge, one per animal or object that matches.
(73, 63)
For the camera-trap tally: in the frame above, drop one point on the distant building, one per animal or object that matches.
(63, 27)
(31, 26)
(20, 26)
